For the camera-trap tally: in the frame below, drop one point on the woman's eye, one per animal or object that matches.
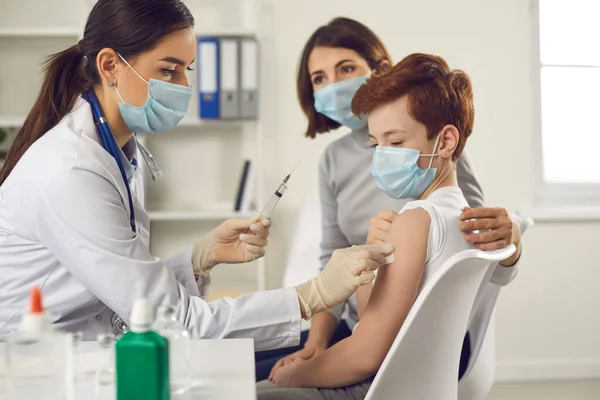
(348, 69)
(168, 72)
(317, 80)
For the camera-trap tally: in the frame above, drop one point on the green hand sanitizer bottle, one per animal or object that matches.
(142, 358)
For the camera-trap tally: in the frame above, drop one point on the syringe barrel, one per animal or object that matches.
(281, 189)
(274, 200)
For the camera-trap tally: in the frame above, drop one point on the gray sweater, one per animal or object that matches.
(350, 198)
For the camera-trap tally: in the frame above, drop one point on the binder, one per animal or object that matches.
(208, 77)
(249, 78)
(229, 74)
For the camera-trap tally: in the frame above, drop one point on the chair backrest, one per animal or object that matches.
(423, 360)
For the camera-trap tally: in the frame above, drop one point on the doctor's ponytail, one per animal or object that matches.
(130, 27)
(63, 83)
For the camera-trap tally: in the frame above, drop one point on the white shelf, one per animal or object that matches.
(36, 32)
(200, 215)
(194, 121)
(224, 32)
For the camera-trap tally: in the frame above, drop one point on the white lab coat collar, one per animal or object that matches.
(82, 120)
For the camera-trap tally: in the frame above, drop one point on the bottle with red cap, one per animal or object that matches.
(39, 358)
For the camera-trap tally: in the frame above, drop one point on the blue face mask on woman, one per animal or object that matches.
(335, 102)
(396, 171)
(165, 107)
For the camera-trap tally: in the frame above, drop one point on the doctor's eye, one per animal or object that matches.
(168, 72)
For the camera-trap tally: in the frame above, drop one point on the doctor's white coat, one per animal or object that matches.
(64, 226)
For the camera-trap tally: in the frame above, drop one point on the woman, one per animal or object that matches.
(420, 116)
(335, 62)
(70, 219)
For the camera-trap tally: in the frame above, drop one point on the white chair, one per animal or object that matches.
(478, 379)
(423, 360)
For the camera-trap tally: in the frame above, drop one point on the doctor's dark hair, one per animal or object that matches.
(130, 27)
(339, 32)
(436, 95)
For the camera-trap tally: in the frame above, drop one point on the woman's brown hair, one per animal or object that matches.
(339, 32)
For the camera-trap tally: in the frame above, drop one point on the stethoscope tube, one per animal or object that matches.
(110, 145)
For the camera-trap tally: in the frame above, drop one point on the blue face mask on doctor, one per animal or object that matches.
(335, 102)
(165, 107)
(396, 171)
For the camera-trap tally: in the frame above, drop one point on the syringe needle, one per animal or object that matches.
(290, 174)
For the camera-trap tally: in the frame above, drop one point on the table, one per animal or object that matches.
(221, 370)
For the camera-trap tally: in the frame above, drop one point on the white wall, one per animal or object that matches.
(547, 325)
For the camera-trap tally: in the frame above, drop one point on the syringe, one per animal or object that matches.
(277, 195)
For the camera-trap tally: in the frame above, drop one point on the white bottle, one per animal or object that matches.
(168, 326)
(39, 358)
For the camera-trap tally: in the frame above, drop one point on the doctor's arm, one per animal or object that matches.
(360, 355)
(82, 220)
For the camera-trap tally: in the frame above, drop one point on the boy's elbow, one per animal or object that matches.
(369, 364)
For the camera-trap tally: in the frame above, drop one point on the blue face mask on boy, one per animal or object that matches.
(335, 102)
(165, 107)
(396, 171)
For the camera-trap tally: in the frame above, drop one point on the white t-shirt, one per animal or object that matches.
(445, 238)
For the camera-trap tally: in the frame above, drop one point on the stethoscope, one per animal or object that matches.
(110, 144)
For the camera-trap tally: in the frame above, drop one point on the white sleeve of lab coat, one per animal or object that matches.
(82, 220)
(181, 265)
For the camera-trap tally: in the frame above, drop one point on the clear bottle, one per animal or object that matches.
(168, 326)
(106, 372)
(39, 358)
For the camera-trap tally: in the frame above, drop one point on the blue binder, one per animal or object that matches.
(208, 77)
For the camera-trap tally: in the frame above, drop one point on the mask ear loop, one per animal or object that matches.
(433, 154)
(111, 84)
(139, 76)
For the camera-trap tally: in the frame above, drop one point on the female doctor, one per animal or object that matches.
(70, 220)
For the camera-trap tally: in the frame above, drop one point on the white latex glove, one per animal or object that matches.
(234, 241)
(346, 270)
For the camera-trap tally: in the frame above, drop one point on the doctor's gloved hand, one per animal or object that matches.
(234, 241)
(345, 272)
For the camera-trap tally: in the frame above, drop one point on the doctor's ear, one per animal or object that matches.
(107, 61)
(448, 142)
